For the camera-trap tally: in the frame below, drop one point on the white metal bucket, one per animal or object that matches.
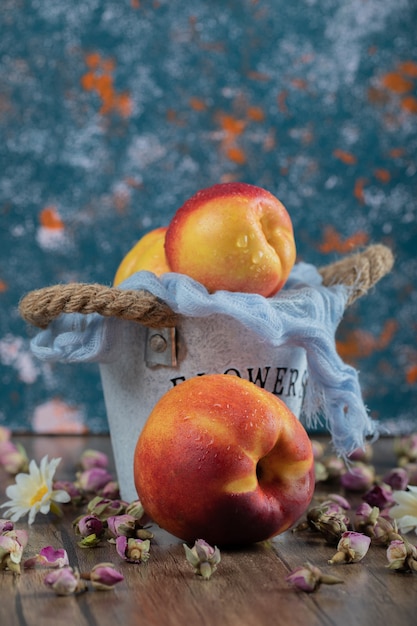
(152, 361)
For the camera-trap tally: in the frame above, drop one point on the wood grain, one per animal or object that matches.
(248, 589)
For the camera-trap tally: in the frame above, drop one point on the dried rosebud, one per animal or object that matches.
(76, 495)
(384, 532)
(332, 527)
(104, 507)
(203, 557)
(359, 477)
(365, 518)
(48, 557)
(122, 525)
(93, 458)
(351, 548)
(64, 581)
(132, 549)
(111, 490)
(93, 480)
(362, 454)
(320, 472)
(308, 578)
(380, 496)
(104, 577)
(318, 448)
(136, 509)
(340, 500)
(411, 469)
(88, 525)
(326, 508)
(406, 449)
(335, 466)
(6, 525)
(5, 434)
(11, 551)
(396, 478)
(13, 458)
(402, 556)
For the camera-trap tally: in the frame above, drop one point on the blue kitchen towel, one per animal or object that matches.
(304, 313)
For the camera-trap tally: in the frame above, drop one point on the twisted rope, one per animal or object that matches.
(39, 307)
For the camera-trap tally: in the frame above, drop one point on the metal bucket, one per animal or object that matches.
(152, 361)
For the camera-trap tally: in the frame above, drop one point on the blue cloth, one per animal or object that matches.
(305, 313)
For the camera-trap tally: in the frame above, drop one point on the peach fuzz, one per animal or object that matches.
(232, 236)
(221, 459)
(147, 254)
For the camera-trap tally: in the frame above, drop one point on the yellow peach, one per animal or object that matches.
(232, 236)
(147, 254)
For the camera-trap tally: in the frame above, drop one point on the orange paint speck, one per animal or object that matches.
(299, 83)
(358, 189)
(409, 68)
(100, 80)
(236, 154)
(411, 374)
(346, 157)
(382, 175)
(282, 101)
(232, 125)
(396, 153)
(49, 218)
(409, 104)
(197, 104)
(360, 344)
(135, 4)
(396, 82)
(3, 286)
(255, 114)
(333, 242)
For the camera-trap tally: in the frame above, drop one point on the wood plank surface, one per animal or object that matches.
(249, 587)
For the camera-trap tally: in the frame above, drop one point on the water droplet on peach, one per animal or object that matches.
(242, 241)
(257, 257)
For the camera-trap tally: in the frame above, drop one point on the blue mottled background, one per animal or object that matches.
(114, 112)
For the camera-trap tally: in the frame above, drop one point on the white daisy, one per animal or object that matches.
(33, 492)
(405, 509)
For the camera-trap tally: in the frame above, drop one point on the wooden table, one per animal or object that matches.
(249, 587)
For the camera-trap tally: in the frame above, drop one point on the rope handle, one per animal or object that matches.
(40, 307)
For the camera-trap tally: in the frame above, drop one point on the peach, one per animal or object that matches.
(232, 236)
(222, 459)
(147, 254)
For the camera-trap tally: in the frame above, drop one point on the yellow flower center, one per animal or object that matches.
(37, 497)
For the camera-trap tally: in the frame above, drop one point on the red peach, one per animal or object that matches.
(221, 459)
(147, 254)
(232, 236)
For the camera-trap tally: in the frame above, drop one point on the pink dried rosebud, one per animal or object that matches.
(11, 551)
(351, 548)
(104, 507)
(362, 454)
(64, 581)
(396, 478)
(104, 577)
(13, 458)
(402, 556)
(203, 557)
(111, 490)
(93, 458)
(136, 509)
(335, 466)
(122, 525)
(5, 525)
(340, 500)
(332, 527)
(132, 549)
(71, 488)
(5, 434)
(411, 469)
(93, 480)
(308, 578)
(48, 557)
(365, 518)
(359, 477)
(320, 472)
(89, 525)
(380, 496)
